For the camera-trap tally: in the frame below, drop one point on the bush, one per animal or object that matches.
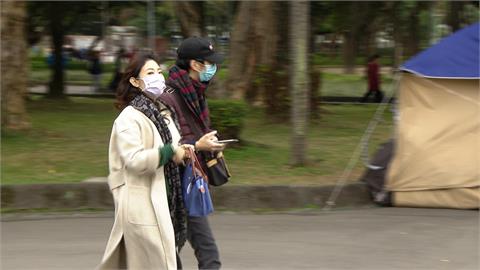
(227, 117)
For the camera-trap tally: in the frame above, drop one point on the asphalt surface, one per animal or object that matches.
(371, 238)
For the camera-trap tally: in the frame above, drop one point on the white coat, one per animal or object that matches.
(142, 236)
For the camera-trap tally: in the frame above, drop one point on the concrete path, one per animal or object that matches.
(372, 238)
(87, 90)
(82, 90)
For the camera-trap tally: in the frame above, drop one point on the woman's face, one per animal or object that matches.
(151, 67)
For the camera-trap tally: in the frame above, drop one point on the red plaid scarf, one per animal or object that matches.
(192, 91)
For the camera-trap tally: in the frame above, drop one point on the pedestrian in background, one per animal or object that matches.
(373, 77)
(119, 69)
(95, 70)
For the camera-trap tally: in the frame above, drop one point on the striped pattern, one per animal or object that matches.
(192, 91)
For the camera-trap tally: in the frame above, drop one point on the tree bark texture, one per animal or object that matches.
(56, 89)
(299, 81)
(360, 20)
(454, 16)
(253, 50)
(190, 15)
(352, 35)
(242, 57)
(14, 66)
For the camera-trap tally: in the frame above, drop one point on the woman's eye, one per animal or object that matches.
(150, 73)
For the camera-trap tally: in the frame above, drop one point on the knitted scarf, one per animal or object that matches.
(172, 174)
(193, 92)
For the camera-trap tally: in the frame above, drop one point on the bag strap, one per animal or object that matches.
(196, 166)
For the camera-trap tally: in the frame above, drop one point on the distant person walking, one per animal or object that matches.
(373, 77)
(95, 69)
(118, 71)
(144, 177)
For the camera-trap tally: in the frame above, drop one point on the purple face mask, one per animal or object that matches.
(154, 84)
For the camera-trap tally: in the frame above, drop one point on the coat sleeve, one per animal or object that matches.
(136, 158)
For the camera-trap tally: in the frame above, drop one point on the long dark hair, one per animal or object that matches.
(125, 90)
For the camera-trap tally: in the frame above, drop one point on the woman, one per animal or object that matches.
(144, 178)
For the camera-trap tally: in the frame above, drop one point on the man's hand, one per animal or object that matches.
(208, 142)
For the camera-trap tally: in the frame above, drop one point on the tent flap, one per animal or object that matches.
(454, 57)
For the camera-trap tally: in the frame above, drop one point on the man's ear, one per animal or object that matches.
(195, 66)
(134, 82)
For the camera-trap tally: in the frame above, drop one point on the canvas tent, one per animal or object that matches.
(435, 158)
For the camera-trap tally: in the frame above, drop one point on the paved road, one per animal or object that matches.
(375, 238)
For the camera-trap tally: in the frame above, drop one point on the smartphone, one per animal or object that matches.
(228, 141)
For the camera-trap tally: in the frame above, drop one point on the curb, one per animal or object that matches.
(228, 197)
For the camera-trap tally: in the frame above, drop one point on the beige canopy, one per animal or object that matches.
(437, 152)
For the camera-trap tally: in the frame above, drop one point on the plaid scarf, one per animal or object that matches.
(193, 92)
(172, 174)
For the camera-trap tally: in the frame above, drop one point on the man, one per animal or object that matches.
(373, 76)
(195, 66)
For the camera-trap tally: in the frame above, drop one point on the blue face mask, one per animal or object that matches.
(208, 73)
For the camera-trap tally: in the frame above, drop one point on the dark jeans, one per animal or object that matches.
(201, 239)
(378, 95)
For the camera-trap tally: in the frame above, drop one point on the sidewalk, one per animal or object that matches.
(72, 90)
(87, 91)
(358, 70)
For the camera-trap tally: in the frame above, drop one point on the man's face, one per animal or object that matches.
(198, 66)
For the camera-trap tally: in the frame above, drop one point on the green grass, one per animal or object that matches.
(331, 143)
(347, 85)
(68, 142)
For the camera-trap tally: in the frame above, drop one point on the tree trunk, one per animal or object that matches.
(242, 58)
(412, 40)
(359, 20)
(14, 66)
(266, 32)
(351, 42)
(265, 49)
(369, 42)
(190, 15)
(299, 82)
(454, 15)
(349, 52)
(56, 89)
(394, 11)
(314, 73)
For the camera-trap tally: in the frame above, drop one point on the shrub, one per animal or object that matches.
(227, 117)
